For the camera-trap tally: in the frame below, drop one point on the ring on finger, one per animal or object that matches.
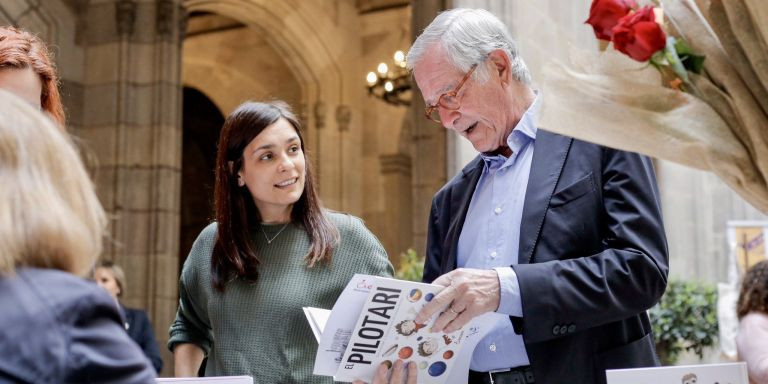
(455, 312)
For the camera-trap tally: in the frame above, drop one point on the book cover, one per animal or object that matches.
(385, 331)
(365, 329)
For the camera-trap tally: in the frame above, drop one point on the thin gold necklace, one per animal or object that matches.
(269, 241)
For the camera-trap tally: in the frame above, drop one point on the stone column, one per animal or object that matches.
(320, 112)
(429, 139)
(343, 118)
(132, 120)
(396, 174)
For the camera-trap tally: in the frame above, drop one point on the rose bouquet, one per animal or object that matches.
(639, 33)
(630, 97)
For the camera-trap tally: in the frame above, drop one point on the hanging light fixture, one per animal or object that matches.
(392, 85)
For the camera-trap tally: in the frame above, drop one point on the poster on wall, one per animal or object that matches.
(746, 241)
(746, 247)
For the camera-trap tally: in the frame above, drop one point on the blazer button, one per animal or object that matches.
(563, 330)
(556, 330)
(571, 328)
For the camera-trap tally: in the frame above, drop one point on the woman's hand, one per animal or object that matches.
(400, 374)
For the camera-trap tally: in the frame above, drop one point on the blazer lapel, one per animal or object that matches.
(549, 157)
(461, 196)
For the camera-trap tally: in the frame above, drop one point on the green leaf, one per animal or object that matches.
(693, 63)
(682, 48)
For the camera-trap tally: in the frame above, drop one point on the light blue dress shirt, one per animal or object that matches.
(490, 239)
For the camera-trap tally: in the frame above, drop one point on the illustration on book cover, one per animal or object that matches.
(386, 331)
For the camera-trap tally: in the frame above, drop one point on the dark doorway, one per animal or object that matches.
(201, 125)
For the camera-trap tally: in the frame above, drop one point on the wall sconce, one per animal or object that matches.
(392, 85)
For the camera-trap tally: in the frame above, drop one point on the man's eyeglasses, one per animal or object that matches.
(447, 100)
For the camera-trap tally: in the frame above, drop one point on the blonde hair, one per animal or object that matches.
(50, 216)
(117, 272)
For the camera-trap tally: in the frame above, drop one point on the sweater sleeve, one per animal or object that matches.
(752, 344)
(360, 240)
(192, 324)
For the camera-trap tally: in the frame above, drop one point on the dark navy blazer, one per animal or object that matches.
(140, 330)
(56, 327)
(593, 256)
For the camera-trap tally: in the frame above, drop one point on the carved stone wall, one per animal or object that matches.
(385, 162)
(231, 63)
(396, 175)
(119, 65)
(131, 120)
(431, 149)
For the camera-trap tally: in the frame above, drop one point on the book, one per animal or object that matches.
(317, 319)
(372, 322)
(727, 373)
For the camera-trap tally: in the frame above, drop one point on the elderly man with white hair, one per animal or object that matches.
(563, 236)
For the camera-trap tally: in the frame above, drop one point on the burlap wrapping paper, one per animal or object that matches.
(607, 98)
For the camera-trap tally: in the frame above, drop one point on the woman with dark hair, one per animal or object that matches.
(272, 250)
(752, 310)
(26, 70)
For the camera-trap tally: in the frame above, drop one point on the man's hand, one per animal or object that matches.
(399, 372)
(469, 293)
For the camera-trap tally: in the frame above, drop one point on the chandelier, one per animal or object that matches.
(392, 85)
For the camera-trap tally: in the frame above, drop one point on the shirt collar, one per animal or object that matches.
(528, 124)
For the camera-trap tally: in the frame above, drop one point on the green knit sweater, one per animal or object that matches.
(260, 330)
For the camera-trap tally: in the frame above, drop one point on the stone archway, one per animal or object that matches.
(305, 36)
(232, 62)
(201, 123)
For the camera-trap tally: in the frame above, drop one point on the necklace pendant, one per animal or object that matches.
(269, 241)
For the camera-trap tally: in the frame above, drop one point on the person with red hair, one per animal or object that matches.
(26, 69)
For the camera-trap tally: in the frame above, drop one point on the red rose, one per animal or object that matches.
(605, 14)
(638, 35)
